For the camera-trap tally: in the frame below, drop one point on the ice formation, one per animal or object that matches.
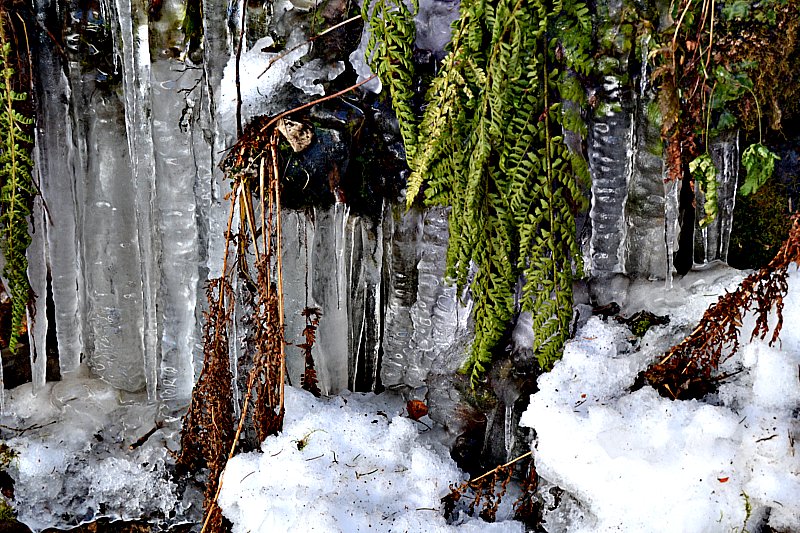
(626, 457)
(76, 463)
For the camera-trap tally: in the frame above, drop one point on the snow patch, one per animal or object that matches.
(629, 457)
(349, 464)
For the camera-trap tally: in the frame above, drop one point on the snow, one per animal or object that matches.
(626, 458)
(348, 463)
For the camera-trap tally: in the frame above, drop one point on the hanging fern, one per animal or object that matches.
(491, 147)
(389, 53)
(16, 190)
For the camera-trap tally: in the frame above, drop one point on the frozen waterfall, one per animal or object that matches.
(131, 220)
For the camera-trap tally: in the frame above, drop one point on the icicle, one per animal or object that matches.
(330, 290)
(136, 88)
(54, 162)
(509, 426)
(671, 211)
(401, 262)
(727, 179)
(37, 274)
(175, 191)
(610, 162)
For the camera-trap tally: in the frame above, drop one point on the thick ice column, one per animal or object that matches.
(134, 35)
(365, 303)
(177, 225)
(711, 242)
(37, 275)
(646, 207)
(438, 316)
(401, 293)
(54, 160)
(611, 165)
(330, 289)
(110, 247)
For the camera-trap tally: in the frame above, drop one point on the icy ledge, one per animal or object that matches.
(76, 463)
(639, 462)
(348, 464)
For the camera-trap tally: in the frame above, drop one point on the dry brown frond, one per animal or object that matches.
(687, 369)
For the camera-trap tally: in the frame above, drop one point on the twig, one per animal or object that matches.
(511, 462)
(141, 440)
(310, 40)
(317, 101)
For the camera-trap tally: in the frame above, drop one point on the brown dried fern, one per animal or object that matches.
(487, 491)
(687, 369)
(309, 378)
(208, 427)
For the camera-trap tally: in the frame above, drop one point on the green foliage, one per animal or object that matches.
(760, 163)
(16, 189)
(491, 146)
(705, 177)
(7, 512)
(389, 53)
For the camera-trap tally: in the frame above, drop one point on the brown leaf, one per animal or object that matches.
(416, 409)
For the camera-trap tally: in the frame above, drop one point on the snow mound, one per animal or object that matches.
(640, 462)
(349, 464)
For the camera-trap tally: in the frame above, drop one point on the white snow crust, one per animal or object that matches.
(640, 462)
(362, 468)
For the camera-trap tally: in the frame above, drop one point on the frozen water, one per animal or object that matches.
(434, 22)
(610, 164)
(349, 464)
(711, 242)
(75, 464)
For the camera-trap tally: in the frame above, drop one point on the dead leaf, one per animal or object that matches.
(298, 134)
(416, 409)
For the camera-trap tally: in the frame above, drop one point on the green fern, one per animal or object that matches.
(760, 164)
(389, 53)
(490, 145)
(705, 176)
(16, 190)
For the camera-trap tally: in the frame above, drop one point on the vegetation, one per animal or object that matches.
(717, 63)
(16, 187)
(491, 146)
(210, 434)
(686, 371)
(490, 143)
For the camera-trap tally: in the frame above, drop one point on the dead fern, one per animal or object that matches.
(687, 370)
(309, 378)
(487, 491)
(210, 432)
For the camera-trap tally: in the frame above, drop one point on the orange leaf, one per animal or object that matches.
(416, 409)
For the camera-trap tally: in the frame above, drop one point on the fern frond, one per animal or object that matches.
(16, 191)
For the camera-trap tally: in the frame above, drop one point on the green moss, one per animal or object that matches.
(760, 224)
(7, 513)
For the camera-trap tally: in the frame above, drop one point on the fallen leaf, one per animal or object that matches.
(416, 409)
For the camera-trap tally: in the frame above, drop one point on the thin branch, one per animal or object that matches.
(310, 40)
(511, 462)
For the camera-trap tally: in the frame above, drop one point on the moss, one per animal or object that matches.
(7, 512)
(760, 224)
